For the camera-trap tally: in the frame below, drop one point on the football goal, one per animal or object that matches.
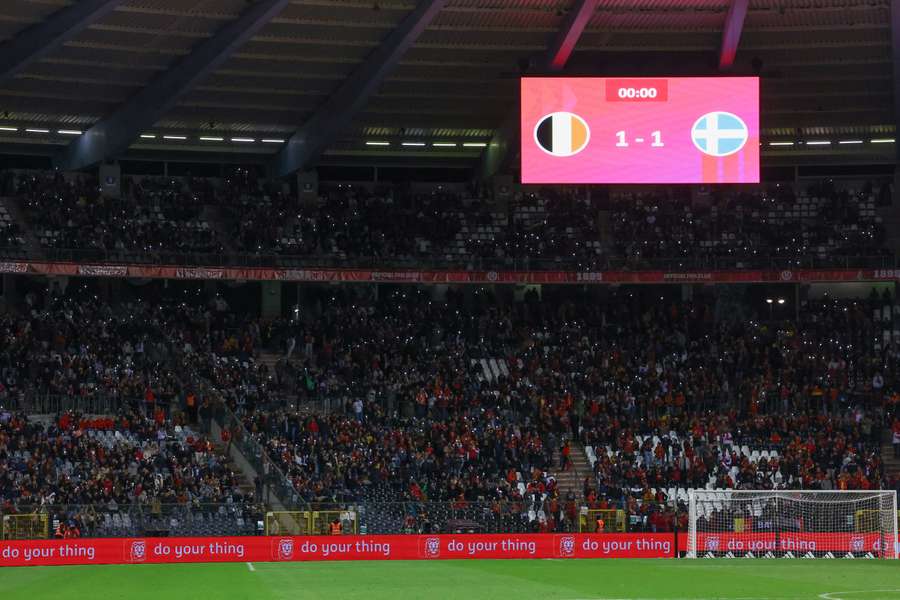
(792, 524)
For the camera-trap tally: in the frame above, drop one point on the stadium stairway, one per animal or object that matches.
(891, 464)
(33, 246)
(270, 359)
(572, 480)
(603, 226)
(218, 222)
(890, 217)
(244, 480)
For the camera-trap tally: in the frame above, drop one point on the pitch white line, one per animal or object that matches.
(250, 566)
(835, 596)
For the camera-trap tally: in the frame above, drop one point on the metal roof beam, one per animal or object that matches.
(731, 35)
(351, 96)
(41, 39)
(115, 133)
(503, 147)
(567, 37)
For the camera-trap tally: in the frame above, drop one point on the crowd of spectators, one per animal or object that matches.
(469, 399)
(153, 215)
(108, 461)
(820, 225)
(776, 226)
(80, 471)
(421, 416)
(78, 346)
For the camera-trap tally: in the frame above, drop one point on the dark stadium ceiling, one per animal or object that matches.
(826, 67)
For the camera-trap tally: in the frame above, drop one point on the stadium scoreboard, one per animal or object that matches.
(640, 130)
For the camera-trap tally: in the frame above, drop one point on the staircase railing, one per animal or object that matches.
(255, 454)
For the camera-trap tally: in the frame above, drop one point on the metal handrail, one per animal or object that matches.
(371, 517)
(255, 454)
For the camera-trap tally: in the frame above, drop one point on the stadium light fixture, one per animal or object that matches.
(444, 144)
(175, 137)
(819, 143)
(9, 128)
(69, 132)
(848, 142)
(38, 130)
(475, 145)
(414, 144)
(883, 141)
(271, 141)
(243, 140)
(378, 143)
(211, 139)
(148, 136)
(781, 143)
(769, 301)
(781, 301)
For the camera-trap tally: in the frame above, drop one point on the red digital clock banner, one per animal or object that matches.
(640, 130)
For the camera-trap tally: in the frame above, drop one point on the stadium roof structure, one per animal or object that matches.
(290, 81)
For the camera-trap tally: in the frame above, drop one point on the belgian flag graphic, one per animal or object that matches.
(562, 134)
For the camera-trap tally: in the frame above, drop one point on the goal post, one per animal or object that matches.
(792, 524)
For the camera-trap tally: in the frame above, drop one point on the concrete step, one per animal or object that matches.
(243, 482)
(221, 224)
(270, 359)
(571, 481)
(16, 211)
(891, 464)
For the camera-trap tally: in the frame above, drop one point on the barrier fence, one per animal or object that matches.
(257, 517)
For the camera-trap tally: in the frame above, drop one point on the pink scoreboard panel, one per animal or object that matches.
(640, 130)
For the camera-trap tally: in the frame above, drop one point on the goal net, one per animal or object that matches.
(792, 524)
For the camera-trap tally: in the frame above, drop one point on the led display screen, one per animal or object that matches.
(640, 130)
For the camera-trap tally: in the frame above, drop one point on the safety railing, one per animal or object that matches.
(54, 404)
(271, 476)
(156, 519)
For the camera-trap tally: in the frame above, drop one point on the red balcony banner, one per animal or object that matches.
(89, 551)
(449, 276)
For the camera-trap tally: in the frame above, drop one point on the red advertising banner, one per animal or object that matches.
(458, 277)
(790, 542)
(89, 551)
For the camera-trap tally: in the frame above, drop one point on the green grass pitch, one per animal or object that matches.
(466, 580)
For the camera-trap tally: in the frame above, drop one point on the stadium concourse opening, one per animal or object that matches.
(505, 299)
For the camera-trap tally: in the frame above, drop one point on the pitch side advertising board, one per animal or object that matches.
(319, 548)
(98, 551)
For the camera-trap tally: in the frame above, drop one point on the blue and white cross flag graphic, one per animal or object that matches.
(719, 133)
